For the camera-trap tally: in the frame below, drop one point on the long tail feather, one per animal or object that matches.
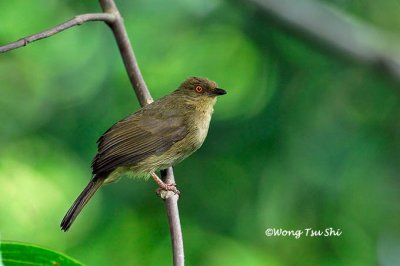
(80, 202)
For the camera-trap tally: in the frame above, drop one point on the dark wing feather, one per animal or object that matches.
(147, 132)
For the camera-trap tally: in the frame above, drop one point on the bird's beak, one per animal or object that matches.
(218, 91)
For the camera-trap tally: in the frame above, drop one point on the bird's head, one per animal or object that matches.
(200, 87)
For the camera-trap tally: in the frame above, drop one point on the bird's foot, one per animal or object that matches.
(167, 187)
(163, 186)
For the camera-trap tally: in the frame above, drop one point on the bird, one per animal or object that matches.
(157, 136)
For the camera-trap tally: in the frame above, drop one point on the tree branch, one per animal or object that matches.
(76, 21)
(144, 97)
(171, 204)
(359, 41)
(128, 56)
(113, 18)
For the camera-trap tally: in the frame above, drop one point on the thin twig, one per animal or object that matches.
(128, 56)
(76, 21)
(339, 31)
(144, 97)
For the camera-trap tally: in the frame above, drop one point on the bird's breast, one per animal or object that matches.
(202, 127)
(199, 126)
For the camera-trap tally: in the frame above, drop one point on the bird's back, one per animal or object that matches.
(147, 132)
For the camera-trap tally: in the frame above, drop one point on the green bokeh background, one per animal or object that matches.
(303, 139)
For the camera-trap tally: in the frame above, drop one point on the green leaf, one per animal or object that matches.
(13, 253)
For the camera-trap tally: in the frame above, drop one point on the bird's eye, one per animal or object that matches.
(199, 89)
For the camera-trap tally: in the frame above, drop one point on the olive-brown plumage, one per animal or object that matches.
(155, 137)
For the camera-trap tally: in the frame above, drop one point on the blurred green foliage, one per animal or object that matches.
(304, 139)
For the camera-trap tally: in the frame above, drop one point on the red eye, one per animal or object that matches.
(199, 89)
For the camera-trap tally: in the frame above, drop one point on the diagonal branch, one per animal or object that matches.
(128, 56)
(144, 97)
(357, 40)
(76, 21)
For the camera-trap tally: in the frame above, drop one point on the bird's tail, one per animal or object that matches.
(83, 198)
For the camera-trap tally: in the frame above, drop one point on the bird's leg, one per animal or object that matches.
(164, 186)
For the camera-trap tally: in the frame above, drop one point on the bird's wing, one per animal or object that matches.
(149, 131)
